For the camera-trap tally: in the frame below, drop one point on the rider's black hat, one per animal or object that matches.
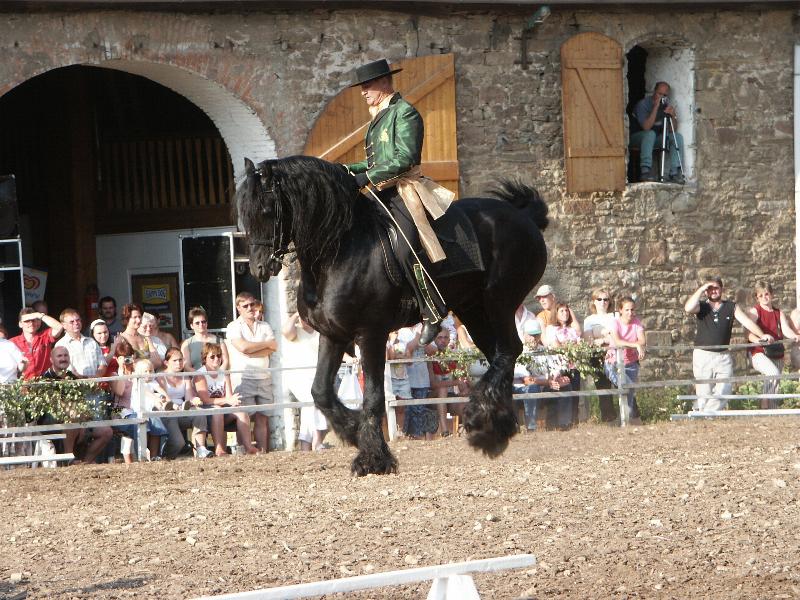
(374, 70)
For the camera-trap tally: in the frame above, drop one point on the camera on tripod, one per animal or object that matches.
(664, 100)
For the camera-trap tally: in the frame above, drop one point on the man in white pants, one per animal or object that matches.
(715, 318)
(250, 342)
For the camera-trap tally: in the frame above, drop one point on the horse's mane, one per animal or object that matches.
(321, 195)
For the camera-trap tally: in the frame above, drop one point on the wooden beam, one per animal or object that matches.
(155, 220)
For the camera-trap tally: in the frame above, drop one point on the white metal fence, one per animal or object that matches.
(621, 391)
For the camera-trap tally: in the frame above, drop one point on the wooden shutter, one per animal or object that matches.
(594, 145)
(429, 84)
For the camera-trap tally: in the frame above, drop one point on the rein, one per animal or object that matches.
(278, 243)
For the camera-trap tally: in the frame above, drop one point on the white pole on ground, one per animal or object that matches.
(391, 413)
(796, 102)
(141, 430)
(622, 398)
(455, 587)
(391, 418)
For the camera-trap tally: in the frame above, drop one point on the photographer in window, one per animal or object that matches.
(650, 115)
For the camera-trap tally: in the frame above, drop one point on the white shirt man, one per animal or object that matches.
(250, 342)
(12, 362)
(85, 356)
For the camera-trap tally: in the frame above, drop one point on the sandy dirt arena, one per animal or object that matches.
(686, 510)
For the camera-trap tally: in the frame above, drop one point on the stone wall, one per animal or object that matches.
(736, 217)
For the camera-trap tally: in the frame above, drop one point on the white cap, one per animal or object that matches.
(544, 290)
(532, 327)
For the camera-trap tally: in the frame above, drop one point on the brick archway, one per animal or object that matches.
(240, 127)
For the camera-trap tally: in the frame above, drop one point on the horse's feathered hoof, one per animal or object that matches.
(489, 428)
(374, 464)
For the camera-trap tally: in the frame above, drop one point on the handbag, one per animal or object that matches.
(349, 391)
(774, 350)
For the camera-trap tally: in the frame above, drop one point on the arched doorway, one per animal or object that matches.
(130, 148)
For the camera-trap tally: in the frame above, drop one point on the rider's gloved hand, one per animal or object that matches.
(362, 180)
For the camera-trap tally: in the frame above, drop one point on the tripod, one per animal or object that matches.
(664, 139)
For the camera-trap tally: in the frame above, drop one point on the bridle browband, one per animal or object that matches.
(280, 246)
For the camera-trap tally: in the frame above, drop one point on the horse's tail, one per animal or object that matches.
(523, 197)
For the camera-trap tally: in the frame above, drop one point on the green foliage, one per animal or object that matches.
(65, 400)
(657, 404)
(586, 358)
(785, 386)
(463, 360)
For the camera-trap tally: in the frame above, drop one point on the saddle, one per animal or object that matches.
(457, 237)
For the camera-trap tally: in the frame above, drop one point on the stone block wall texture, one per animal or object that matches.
(653, 241)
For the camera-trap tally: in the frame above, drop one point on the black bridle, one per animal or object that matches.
(279, 243)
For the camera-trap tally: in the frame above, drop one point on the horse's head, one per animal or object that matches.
(261, 216)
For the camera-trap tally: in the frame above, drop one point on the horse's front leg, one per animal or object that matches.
(373, 455)
(343, 420)
(489, 417)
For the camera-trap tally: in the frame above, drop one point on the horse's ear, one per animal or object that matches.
(249, 167)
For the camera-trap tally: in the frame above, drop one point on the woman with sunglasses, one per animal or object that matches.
(192, 347)
(596, 330)
(214, 389)
(601, 317)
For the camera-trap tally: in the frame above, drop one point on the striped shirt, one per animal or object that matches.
(85, 355)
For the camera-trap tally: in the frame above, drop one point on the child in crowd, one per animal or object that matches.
(181, 394)
(214, 389)
(153, 397)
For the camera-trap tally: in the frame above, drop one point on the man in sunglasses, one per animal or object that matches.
(715, 318)
(250, 343)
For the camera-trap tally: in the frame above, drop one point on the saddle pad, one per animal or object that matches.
(459, 242)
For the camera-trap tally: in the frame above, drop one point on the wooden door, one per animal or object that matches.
(593, 109)
(429, 84)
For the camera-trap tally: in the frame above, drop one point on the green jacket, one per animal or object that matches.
(393, 143)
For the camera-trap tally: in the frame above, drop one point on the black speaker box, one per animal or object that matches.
(9, 215)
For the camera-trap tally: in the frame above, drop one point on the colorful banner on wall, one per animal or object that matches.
(35, 283)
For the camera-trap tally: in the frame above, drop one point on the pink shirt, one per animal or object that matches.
(557, 333)
(627, 333)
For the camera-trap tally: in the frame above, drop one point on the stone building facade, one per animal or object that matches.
(264, 76)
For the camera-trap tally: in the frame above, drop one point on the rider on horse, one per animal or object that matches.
(391, 173)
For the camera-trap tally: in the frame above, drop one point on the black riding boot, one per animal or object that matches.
(431, 306)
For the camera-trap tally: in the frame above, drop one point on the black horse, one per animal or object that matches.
(346, 294)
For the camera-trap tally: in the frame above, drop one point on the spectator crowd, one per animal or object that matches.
(129, 341)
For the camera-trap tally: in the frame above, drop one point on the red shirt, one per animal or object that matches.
(770, 323)
(37, 352)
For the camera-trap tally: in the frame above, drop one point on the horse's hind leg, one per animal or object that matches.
(489, 417)
(373, 455)
(343, 420)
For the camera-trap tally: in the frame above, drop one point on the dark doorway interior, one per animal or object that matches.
(637, 63)
(101, 151)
